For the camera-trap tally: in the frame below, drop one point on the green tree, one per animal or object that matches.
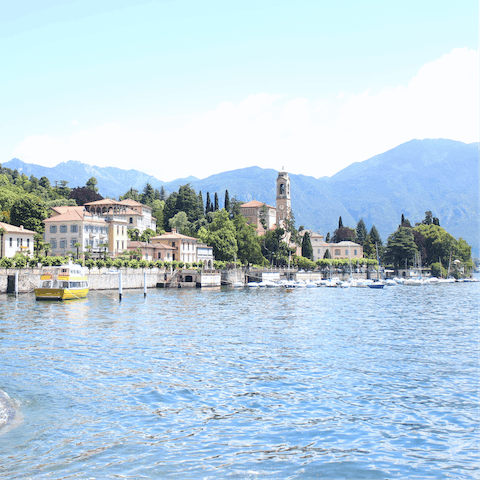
(169, 210)
(187, 201)
(375, 236)
(263, 216)
(221, 235)
(438, 243)
(208, 204)
(92, 184)
(147, 234)
(344, 234)
(327, 238)
(148, 195)
(227, 201)
(307, 250)
(201, 208)
(216, 206)
(340, 223)
(179, 221)
(361, 231)
(77, 246)
(30, 212)
(249, 251)
(400, 247)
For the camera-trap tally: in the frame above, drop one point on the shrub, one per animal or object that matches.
(109, 262)
(143, 263)
(133, 264)
(118, 263)
(6, 262)
(90, 263)
(20, 260)
(100, 263)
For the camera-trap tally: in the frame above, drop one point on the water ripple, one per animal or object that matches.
(323, 383)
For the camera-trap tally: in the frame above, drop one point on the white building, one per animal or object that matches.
(15, 240)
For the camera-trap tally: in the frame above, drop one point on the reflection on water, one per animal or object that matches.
(329, 383)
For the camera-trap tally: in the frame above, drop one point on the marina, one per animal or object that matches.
(242, 383)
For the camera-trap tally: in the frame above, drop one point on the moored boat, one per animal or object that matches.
(65, 282)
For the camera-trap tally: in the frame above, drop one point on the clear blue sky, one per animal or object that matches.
(175, 88)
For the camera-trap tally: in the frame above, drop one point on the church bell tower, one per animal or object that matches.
(283, 205)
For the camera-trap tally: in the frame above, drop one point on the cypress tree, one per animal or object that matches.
(340, 223)
(216, 202)
(201, 209)
(227, 201)
(208, 204)
(327, 238)
(307, 250)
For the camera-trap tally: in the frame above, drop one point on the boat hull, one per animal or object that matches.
(60, 293)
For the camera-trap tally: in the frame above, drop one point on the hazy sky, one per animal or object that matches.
(178, 88)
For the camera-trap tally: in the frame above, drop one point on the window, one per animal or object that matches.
(63, 243)
(53, 241)
(118, 230)
(355, 252)
(63, 229)
(337, 251)
(73, 241)
(18, 242)
(28, 243)
(173, 244)
(73, 228)
(53, 229)
(346, 251)
(131, 220)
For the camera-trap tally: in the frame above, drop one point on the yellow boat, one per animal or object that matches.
(65, 282)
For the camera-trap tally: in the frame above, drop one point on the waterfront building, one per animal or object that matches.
(95, 233)
(15, 240)
(184, 247)
(152, 251)
(139, 216)
(205, 255)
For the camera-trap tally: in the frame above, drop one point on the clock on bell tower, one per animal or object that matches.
(283, 197)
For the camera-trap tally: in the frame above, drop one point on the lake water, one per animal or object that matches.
(243, 384)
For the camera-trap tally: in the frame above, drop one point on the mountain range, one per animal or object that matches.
(433, 174)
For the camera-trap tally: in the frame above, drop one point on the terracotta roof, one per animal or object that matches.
(255, 203)
(157, 246)
(67, 208)
(133, 203)
(105, 201)
(13, 229)
(72, 216)
(172, 235)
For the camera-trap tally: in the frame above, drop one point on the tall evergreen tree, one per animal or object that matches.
(147, 197)
(375, 236)
(187, 202)
(340, 223)
(327, 238)
(227, 201)
(361, 232)
(307, 250)
(208, 204)
(92, 184)
(163, 193)
(201, 208)
(216, 207)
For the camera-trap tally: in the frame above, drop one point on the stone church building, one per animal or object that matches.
(257, 211)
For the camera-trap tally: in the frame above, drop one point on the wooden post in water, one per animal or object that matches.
(119, 286)
(144, 285)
